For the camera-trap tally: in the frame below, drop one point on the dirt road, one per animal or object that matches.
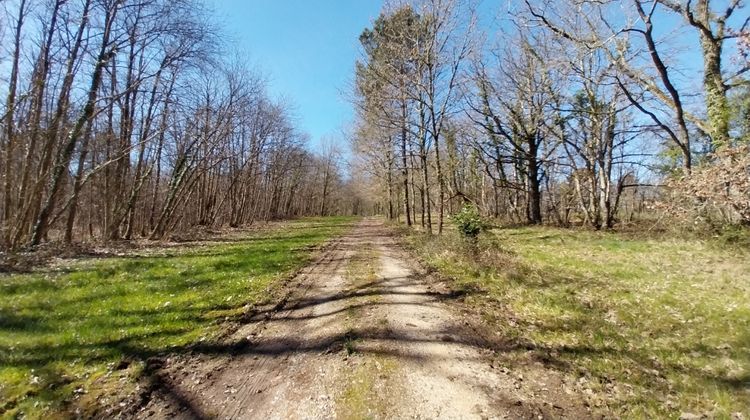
(364, 334)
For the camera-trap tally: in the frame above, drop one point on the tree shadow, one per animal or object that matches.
(135, 307)
(376, 293)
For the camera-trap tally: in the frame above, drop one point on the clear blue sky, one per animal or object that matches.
(306, 48)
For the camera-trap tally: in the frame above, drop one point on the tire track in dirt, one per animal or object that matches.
(268, 368)
(439, 365)
(363, 334)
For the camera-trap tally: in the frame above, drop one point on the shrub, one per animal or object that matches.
(468, 222)
(734, 237)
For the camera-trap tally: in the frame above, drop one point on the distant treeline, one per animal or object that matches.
(125, 119)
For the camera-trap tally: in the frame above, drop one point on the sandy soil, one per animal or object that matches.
(364, 333)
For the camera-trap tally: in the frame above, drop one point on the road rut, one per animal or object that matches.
(364, 333)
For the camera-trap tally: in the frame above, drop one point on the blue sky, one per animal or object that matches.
(307, 49)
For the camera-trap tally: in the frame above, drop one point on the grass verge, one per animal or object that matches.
(65, 331)
(651, 327)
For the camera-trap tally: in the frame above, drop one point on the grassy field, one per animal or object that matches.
(64, 330)
(652, 327)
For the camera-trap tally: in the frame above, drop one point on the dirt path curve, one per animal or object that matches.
(363, 335)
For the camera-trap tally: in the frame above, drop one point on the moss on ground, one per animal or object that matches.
(365, 395)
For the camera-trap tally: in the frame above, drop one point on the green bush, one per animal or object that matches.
(734, 237)
(468, 222)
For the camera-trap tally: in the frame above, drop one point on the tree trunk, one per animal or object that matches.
(10, 124)
(717, 105)
(532, 174)
(41, 226)
(441, 188)
(405, 163)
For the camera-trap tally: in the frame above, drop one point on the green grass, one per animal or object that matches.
(657, 327)
(62, 330)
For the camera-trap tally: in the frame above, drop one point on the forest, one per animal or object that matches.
(530, 209)
(125, 121)
(134, 119)
(571, 113)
